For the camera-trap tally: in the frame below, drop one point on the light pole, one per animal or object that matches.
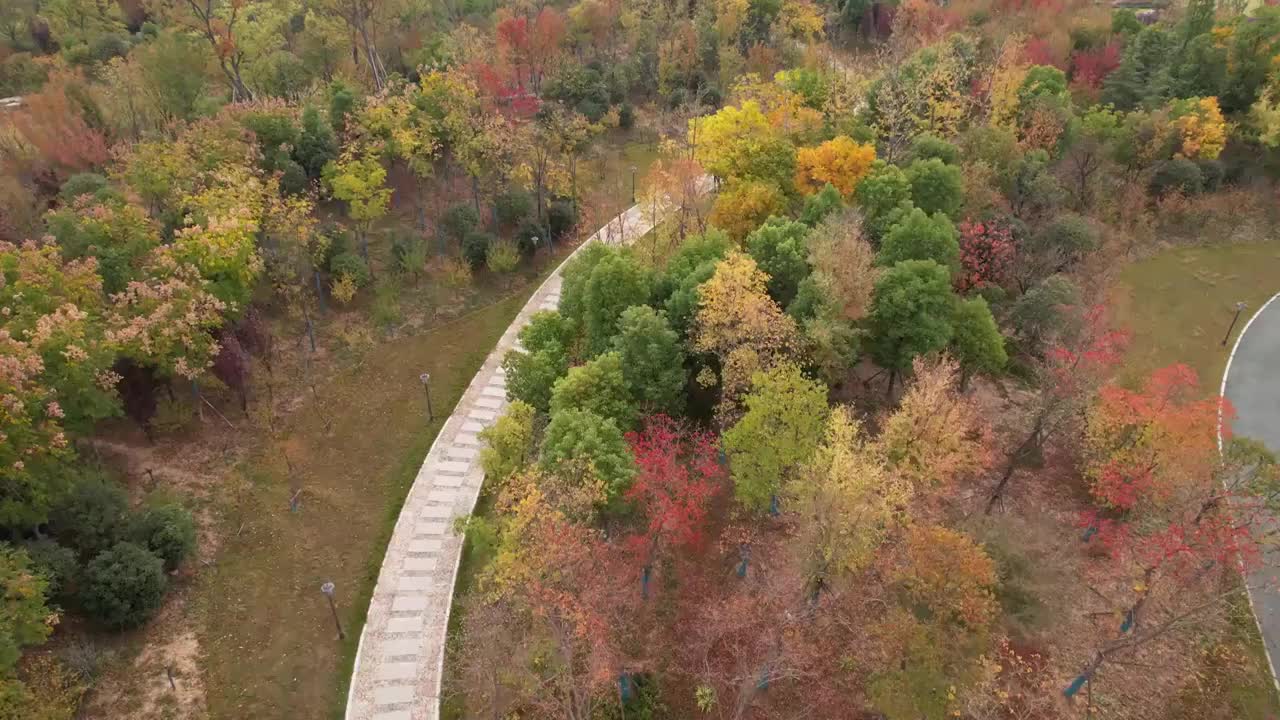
(426, 385)
(328, 590)
(1239, 309)
(633, 184)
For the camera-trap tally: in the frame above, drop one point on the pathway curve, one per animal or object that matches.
(1252, 383)
(400, 659)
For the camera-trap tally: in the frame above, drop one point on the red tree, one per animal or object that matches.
(1091, 67)
(986, 255)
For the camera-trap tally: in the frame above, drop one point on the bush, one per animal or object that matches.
(57, 564)
(459, 220)
(168, 531)
(386, 304)
(410, 253)
(109, 45)
(1178, 174)
(92, 515)
(293, 178)
(502, 257)
(512, 207)
(926, 146)
(123, 586)
(626, 116)
(20, 74)
(1213, 173)
(350, 265)
(592, 109)
(475, 247)
(562, 217)
(86, 183)
(531, 236)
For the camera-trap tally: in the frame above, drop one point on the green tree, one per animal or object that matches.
(652, 360)
(531, 374)
(580, 436)
(910, 314)
(976, 342)
(169, 531)
(780, 250)
(880, 194)
(576, 275)
(785, 418)
(123, 586)
(936, 187)
(616, 283)
(917, 236)
(361, 183)
(597, 386)
(317, 145)
(24, 618)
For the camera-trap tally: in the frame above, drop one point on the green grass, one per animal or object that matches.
(1178, 305)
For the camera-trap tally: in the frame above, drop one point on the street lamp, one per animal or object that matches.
(426, 385)
(1239, 309)
(328, 589)
(633, 184)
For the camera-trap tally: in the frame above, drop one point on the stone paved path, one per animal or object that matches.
(401, 654)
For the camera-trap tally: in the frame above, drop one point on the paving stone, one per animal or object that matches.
(472, 427)
(489, 402)
(393, 715)
(415, 582)
(426, 545)
(430, 528)
(406, 624)
(418, 564)
(468, 437)
(393, 695)
(409, 603)
(401, 648)
(481, 415)
(436, 511)
(452, 467)
(451, 481)
(443, 495)
(462, 453)
(397, 671)
(494, 392)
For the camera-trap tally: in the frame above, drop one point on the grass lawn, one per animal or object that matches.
(1178, 305)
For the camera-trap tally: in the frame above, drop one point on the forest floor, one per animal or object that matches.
(246, 632)
(1177, 305)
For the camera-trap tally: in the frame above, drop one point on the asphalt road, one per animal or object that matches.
(1252, 384)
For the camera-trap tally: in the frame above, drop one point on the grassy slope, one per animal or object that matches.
(1178, 305)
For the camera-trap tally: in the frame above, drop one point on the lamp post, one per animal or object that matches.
(633, 184)
(328, 589)
(1240, 306)
(426, 385)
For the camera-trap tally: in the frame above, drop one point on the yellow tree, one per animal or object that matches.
(741, 142)
(936, 435)
(839, 161)
(844, 501)
(844, 263)
(739, 323)
(1203, 129)
(744, 206)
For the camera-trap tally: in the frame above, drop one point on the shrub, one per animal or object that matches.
(927, 146)
(123, 586)
(410, 253)
(20, 74)
(502, 257)
(109, 45)
(475, 247)
(386, 304)
(1178, 175)
(168, 531)
(343, 289)
(626, 116)
(82, 184)
(531, 236)
(350, 265)
(562, 217)
(92, 515)
(512, 207)
(459, 220)
(57, 564)
(316, 143)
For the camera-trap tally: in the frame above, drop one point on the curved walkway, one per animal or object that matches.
(400, 659)
(1252, 383)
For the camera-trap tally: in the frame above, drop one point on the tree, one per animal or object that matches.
(842, 262)
(779, 249)
(986, 255)
(165, 320)
(617, 282)
(951, 575)
(935, 436)
(1204, 130)
(783, 424)
(918, 236)
(740, 324)
(225, 253)
(910, 314)
(123, 586)
(936, 187)
(743, 206)
(880, 194)
(578, 436)
(740, 143)
(976, 341)
(577, 274)
(844, 503)
(508, 444)
(531, 375)
(598, 387)
(359, 181)
(1056, 248)
(316, 143)
(1043, 312)
(218, 22)
(652, 360)
(840, 162)
(24, 617)
(677, 478)
(1145, 447)
(169, 531)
